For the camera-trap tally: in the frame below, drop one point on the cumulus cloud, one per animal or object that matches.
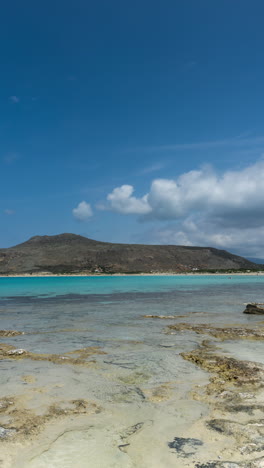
(231, 195)
(83, 211)
(122, 201)
(248, 241)
(202, 207)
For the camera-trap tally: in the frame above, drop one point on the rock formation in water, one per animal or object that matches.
(256, 309)
(70, 253)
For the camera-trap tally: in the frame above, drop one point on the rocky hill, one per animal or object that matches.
(70, 253)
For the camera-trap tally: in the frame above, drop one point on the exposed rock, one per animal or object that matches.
(233, 388)
(24, 422)
(249, 435)
(10, 333)
(240, 373)
(9, 352)
(161, 316)
(256, 309)
(170, 317)
(16, 352)
(226, 333)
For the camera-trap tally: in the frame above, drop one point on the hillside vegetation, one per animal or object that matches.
(70, 253)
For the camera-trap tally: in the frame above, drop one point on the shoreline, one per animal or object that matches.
(92, 275)
(197, 402)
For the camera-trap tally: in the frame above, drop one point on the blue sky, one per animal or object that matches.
(164, 98)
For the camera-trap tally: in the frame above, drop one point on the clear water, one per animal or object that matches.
(141, 379)
(57, 286)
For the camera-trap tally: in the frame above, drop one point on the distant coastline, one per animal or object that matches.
(73, 255)
(87, 275)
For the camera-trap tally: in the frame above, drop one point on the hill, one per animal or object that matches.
(70, 253)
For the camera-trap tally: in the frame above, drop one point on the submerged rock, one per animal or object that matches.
(253, 308)
(24, 422)
(227, 369)
(185, 447)
(257, 463)
(10, 333)
(162, 316)
(233, 389)
(6, 432)
(5, 403)
(223, 333)
(76, 357)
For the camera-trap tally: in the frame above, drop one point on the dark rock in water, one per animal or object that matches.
(185, 446)
(255, 309)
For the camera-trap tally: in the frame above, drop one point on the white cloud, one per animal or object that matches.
(231, 195)
(202, 208)
(248, 241)
(83, 211)
(14, 99)
(122, 201)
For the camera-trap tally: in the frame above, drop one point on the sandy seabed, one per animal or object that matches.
(169, 391)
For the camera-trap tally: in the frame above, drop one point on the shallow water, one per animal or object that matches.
(141, 383)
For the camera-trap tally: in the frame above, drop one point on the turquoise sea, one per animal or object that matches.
(56, 286)
(140, 381)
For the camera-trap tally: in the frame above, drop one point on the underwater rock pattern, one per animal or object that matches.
(235, 413)
(6, 432)
(185, 447)
(10, 333)
(223, 333)
(76, 357)
(24, 422)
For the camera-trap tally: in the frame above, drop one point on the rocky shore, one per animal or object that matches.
(235, 396)
(229, 434)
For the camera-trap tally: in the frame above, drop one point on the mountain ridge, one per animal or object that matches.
(72, 253)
